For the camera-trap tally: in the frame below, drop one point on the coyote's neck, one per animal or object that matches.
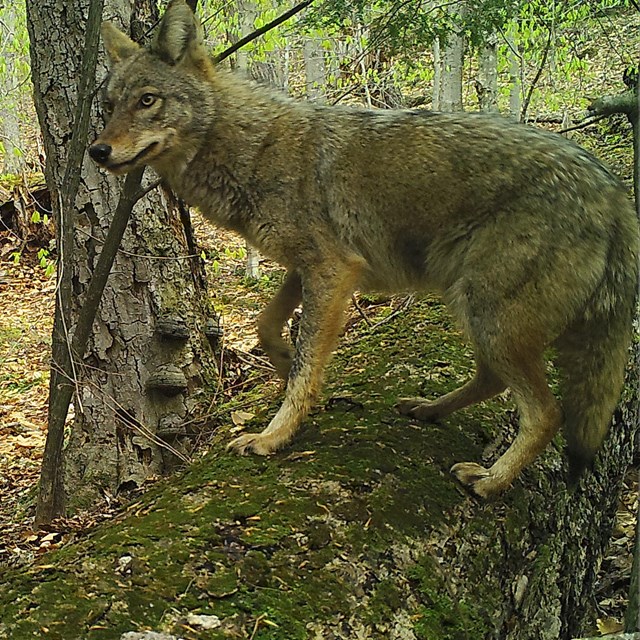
(248, 133)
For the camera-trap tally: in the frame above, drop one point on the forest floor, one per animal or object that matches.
(27, 302)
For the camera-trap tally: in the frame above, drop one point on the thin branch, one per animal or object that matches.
(197, 270)
(132, 424)
(359, 309)
(51, 499)
(51, 495)
(262, 30)
(403, 306)
(148, 189)
(582, 125)
(612, 47)
(527, 100)
(509, 44)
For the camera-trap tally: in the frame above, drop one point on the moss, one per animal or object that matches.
(296, 539)
(386, 599)
(444, 615)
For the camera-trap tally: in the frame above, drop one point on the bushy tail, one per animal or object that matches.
(593, 352)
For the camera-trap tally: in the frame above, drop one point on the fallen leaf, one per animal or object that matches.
(241, 417)
(609, 625)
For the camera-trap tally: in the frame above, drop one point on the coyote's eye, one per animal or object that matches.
(147, 100)
(107, 107)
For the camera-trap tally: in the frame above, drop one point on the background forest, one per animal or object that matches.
(341, 535)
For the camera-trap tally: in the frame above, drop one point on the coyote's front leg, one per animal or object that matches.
(326, 289)
(272, 319)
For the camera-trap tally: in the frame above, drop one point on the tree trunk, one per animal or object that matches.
(11, 142)
(437, 76)
(140, 379)
(515, 78)
(487, 82)
(314, 69)
(450, 58)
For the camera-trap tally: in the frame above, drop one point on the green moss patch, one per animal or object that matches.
(309, 537)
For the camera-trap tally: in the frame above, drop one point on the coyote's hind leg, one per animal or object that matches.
(484, 385)
(540, 420)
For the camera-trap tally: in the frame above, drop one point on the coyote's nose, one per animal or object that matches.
(100, 152)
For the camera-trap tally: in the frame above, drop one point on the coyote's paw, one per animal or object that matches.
(418, 408)
(252, 443)
(480, 480)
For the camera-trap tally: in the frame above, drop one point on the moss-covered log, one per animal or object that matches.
(357, 530)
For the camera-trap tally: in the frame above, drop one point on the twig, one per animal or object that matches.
(406, 303)
(254, 360)
(364, 316)
(256, 626)
(527, 100)
(124, 417)
(197, 264)
(262, 30)
(582, 125)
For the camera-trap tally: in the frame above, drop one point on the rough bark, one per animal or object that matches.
(487, 82)
(64, 348)
(116, 440)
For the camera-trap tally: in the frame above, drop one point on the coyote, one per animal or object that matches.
(529, 240)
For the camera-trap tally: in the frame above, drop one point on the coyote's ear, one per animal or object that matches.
(117, 45)
(178, 31)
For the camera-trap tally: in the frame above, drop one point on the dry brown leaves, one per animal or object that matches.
(26, 311)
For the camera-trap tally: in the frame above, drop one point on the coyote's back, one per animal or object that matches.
(530, 240)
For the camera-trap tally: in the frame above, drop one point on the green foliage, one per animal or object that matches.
(15, 89)
(367, 45)
(14, 51)
(45, 261)
(409, 26)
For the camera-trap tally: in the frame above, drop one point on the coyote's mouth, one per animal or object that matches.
(134, 161)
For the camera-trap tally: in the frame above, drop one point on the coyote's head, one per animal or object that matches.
(152, 94)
